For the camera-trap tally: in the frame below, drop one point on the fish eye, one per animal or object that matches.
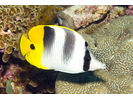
(32, 46)
(86, 44)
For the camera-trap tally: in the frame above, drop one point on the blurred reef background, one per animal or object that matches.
(108, 29)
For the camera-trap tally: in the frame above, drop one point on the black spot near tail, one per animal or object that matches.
(86, 44)
(87, 59)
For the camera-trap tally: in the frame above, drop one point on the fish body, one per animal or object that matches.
(59, 48)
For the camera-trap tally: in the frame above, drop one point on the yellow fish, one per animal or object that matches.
(59, 48)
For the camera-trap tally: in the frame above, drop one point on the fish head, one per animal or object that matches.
(32, 47)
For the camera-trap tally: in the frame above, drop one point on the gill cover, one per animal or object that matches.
(32, 48)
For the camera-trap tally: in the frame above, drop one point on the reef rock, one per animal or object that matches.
(82, 15)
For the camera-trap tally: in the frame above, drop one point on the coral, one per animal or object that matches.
(120, 23)
(11, 81)
(76, 16)
(82, 15)
(81, 83)
(47, 14)
(90, 29)
(8, 49)
(114, 28)
(8, 44)
(42, 82)
(116, 84)
(129, 28)
(129, 11)
(28, 82)
(35, 81)
(2, 45)
(34, 84)
(114, 13)
(110, 46)
(121, 63)
(5, 57)
(113, 43)
(18, 17)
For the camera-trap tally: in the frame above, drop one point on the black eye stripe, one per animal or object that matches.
(32, 46)
(86, 44)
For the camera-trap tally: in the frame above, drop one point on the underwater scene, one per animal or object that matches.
(66, 49)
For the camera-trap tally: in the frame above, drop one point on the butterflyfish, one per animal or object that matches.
(59, 48)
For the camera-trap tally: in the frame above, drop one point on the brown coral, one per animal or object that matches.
(115, 27)
(47, 14)
(15, 45)
(34, 84)
(110, 46)
(89, 30)
(0, 37)
(116, 84)
(5, 57)
(121, 63)
(8, 49)
(6, 37)
(2, 46)
(83, 83)
(13, 15)
(9, 45)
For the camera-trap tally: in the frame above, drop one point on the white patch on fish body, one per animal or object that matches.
(54, 58)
